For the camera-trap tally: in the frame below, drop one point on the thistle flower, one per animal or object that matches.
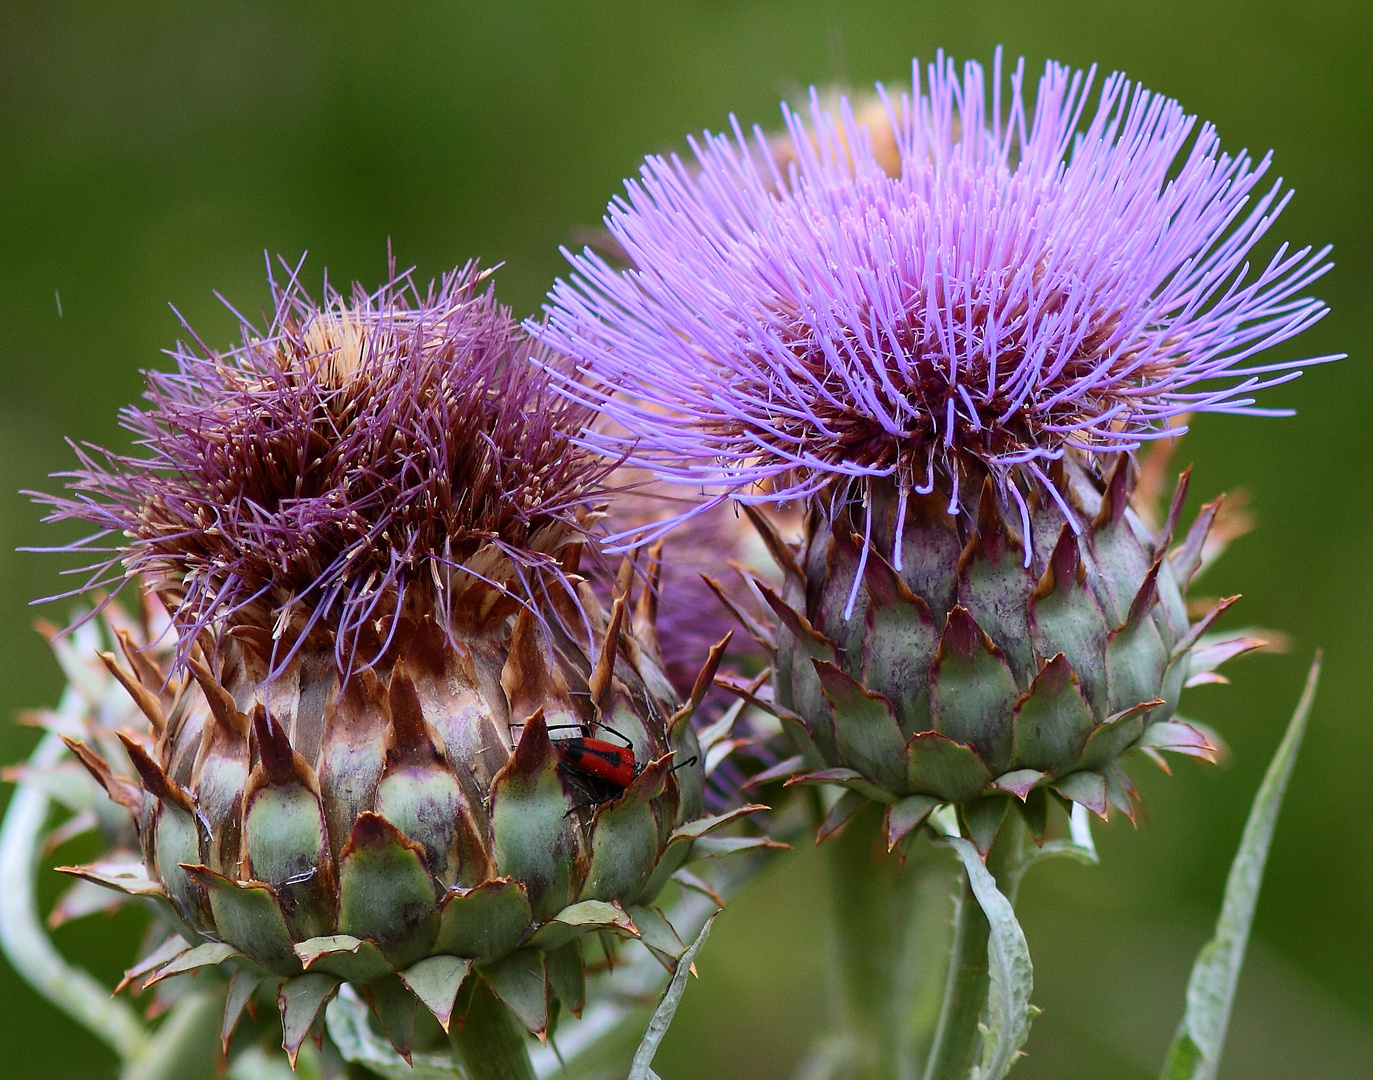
(677, 573)
(949, 364)
(999, 302)
(343, 465)
(367, 759)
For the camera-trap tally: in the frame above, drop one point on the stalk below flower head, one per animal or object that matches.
(1026, 286)
(949, 364)
(381, 753)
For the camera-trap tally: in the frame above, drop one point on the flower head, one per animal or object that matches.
(389, 724)
(1024, 285)
(359, 455)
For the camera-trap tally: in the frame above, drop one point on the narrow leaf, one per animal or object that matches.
(1195, 1053)
(300, 1000)
(1012, 977)
(642, 1066)
(243, 985)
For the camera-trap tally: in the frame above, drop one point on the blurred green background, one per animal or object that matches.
(150, 153)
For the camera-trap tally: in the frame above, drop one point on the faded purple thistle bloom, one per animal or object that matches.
(688, 618)
(1025, 286)
(685, 573)
(351, 461)
(367, 522)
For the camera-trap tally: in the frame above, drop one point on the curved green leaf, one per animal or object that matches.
(1009, 1011)
(1195, 1053)
(642, 1066)
(351, 1031)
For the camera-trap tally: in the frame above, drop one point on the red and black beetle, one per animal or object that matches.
(597, 759)
(599, 770)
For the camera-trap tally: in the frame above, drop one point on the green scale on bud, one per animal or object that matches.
(966, 677)
(378, 754)
(403, 831)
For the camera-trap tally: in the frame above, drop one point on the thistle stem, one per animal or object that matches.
(888, 920)
(23, 937)
(489, 1044)
(954, 1051)
(186, 1045)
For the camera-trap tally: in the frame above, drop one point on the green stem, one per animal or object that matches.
(888, 920)
(955, 1050)
(490, 1043)
(22, 934)
(186, 1045)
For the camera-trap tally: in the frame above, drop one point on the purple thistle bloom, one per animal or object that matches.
(355, 459)
(1025, 286)
(689, 619)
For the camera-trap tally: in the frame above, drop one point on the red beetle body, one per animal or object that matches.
(599, 770)
(613, 765)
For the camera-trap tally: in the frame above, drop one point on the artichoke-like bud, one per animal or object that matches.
(975, 677)
(945, 335)
(400, 743)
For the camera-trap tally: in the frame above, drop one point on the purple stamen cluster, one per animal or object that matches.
(1024, 286)
(357, 458)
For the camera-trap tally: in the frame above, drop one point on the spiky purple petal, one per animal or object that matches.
(352, 457)
(1026, 285)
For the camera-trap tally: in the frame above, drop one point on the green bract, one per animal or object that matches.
(366, 758)
(414, 826)
(970, 678)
